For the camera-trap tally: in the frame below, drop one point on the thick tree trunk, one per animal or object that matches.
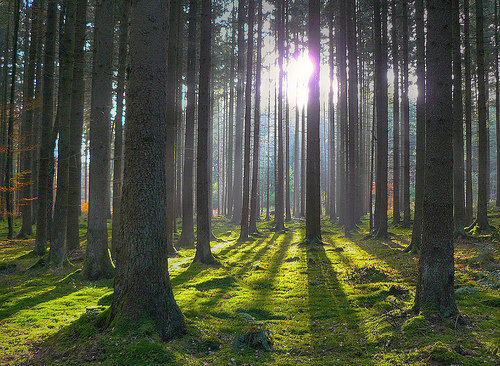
(124, 8)
(435, 286)
(458, 125)
(58, 253)
(187, 235)
(142, 287)
(416, 235)
(313, 213)
(46, 129)
(203, 187)
(380, 26)
(248, 122)
(238, 142)
(396, 216)
(77, 110)
(255, 196)
(331, 120)
(482, 184)
(469, 210)
(97, 259)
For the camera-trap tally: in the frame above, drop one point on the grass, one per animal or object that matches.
(329, 304)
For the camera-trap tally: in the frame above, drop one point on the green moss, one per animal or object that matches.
(416, 326)
(440, 352)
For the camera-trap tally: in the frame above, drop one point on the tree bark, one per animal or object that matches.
(124, 8)
(248, 122)
(406, 123)
(97, 259)
(203, 187)
(255, 196)
(142, 287)
(313, 213)
(77, 110)
(57, 254)
(416, 235)
(187, 235)
(458, 125)
(46, 129)
(380, 26)
(396, 216)
(435, 286)
(469, 210)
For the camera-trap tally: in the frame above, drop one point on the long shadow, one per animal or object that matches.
(187, 275)
(329, 308)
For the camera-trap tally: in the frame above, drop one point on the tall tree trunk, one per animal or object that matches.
(435, 286)
(10, 128)
(248, 122)
(142, 255)
(469, 210)
(406, 122)
(187, 235)
(58, 253)
(280, 207)
(77, 110)
(172, 123)
(124, 9)
(396, 216)
(203, 187)
(230, 142)
(27, 124)
(497, 105)
(482, 191)
(255, 196)
(380, 20)
(416, 235)
(458, 125)
(46, 129)
(97, 260)
(342, 109)
(353, 193)
(313, 213)
(268, 188)
(303, 164)
(238, 142)
(331, 119)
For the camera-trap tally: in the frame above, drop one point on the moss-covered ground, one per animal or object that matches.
(347, 302)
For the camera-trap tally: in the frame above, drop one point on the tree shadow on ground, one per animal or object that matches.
(330, 313)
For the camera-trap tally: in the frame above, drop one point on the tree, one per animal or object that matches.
(279, 208)
(396, 217)
(420, 145)
(203, 187)
(142, 286)
(46, 122)
(124, 11)
(313, 213)
(331, 117)
(27, 123)
(172, 123)
(57, 254)
(406, 122)
(483, 173)
(237, 196)
(468, 116)
(497, 103)
(248, 122)
(97, 259)
(435, 286)
(458, 125)
(254, 204)
(187, 235)
(77, 110)
(380, 27)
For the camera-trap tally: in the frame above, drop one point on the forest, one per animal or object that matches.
(249, 182)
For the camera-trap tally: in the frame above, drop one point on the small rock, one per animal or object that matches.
(466, 290)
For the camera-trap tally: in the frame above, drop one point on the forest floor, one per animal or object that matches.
(345, 302)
